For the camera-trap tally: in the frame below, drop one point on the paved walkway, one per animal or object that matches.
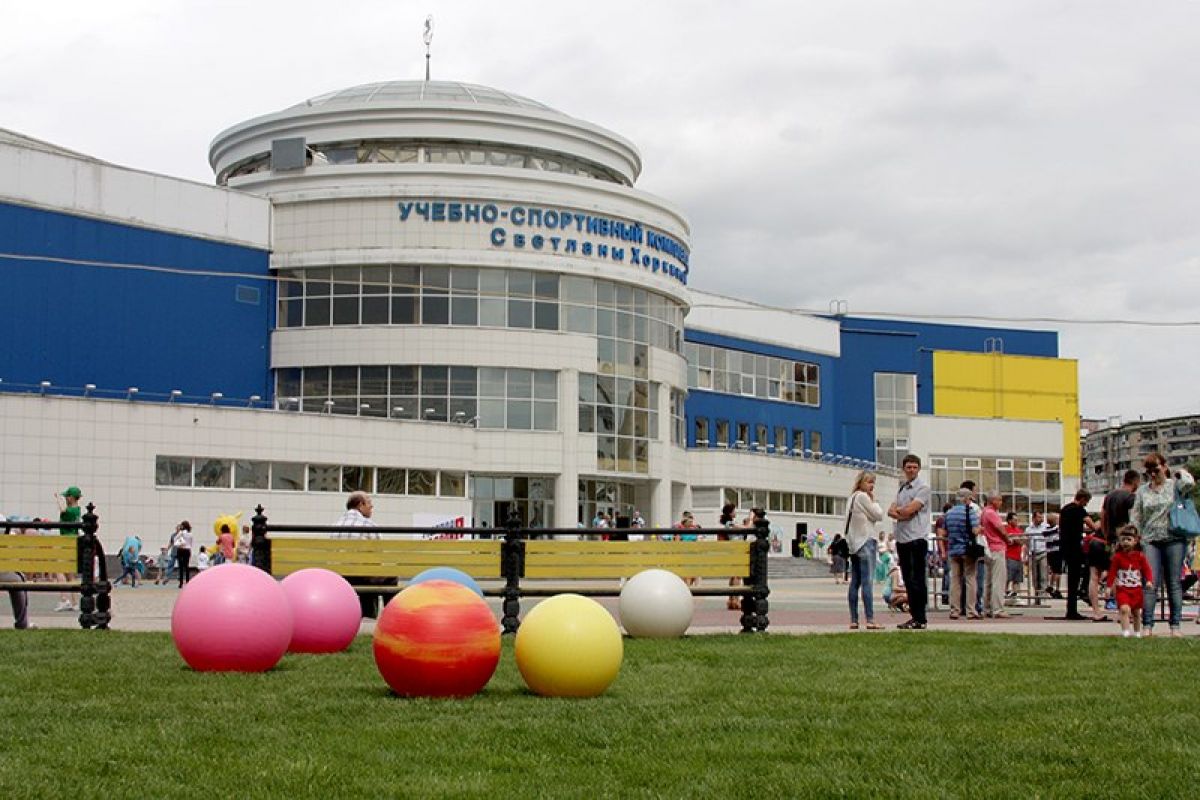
(798, 606)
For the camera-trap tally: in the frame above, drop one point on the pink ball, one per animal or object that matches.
(232, 618)
(325, 611)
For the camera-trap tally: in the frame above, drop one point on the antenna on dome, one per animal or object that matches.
(428, 37)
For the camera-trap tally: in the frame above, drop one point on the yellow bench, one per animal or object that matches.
(527, 565)
(400, 558)
(58, 554)
(556, 562)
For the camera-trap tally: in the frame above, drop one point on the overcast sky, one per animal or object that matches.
(1033, 158)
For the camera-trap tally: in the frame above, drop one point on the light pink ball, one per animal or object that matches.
(325, 611)
(232, 618)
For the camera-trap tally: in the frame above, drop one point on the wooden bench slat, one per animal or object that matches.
(408, 568)
(671, 548)
(29, 564)
(399, 546)
(66, 544)
(644, 560)
(383, 559)
(579, 572)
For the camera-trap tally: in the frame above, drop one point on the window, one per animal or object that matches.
(723, 433)
(324, 478)
(895, 403)
(288, 477)
(701, 424)
(251, 474)
(213, 473)
(171, 471)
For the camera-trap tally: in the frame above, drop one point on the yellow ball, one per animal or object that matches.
(569, 646)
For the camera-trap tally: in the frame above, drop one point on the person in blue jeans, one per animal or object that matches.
(131, 551)
(861, 517)
(1151, 514)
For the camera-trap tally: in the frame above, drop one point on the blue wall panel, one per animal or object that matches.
(74, 324)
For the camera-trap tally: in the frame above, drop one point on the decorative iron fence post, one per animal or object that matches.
(95, 602)
(260, 545)
(755, 605)
(512, 564)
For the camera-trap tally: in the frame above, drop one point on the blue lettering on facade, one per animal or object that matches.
(673, 262)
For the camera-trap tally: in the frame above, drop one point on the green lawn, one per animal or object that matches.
(932, 715)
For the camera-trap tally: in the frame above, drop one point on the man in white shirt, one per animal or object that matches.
(911, 513)
(357, 515)
(1035, 545)
(359, 508)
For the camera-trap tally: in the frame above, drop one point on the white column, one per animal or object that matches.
(566, 486)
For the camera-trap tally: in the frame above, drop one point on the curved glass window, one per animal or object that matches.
(408, 151)
(484, 397)
(626, 319)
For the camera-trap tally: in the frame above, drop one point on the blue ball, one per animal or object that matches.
(447, 574)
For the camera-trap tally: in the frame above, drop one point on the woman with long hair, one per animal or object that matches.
(862, 515)
(733, 602)
(1151, 514)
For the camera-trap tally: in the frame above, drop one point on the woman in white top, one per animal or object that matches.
(862, 515)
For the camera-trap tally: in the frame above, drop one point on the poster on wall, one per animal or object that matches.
(448, 523)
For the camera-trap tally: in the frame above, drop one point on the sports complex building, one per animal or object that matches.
(454, 297)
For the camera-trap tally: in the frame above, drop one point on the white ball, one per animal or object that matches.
(656, 604)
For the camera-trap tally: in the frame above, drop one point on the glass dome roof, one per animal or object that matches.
(419, 91)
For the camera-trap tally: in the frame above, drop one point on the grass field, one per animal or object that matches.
(929, 715)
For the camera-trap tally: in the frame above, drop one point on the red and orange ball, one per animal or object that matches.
(437, 639)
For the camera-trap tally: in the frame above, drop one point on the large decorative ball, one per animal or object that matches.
(447, 574)
(569, 646)
(656, 604)
(437, 639)
(232, 618)
(325, 611)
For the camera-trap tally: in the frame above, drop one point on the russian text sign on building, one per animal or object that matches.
(558, 231)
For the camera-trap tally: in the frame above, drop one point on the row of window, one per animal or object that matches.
(779, 502)
(623, 413)
(407, 151)
(721, 369)
(1027, 485)
(287, 476)
(745, 436)
(489, 397)
(472, 297)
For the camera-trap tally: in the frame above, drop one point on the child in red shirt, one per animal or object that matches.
(1130, 573)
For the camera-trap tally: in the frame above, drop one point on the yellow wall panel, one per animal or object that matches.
(1011, 387)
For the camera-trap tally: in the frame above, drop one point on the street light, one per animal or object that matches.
(88, 388)
(175, 395)
(215, 397)
(45, 385)
(131, 393)
(254, 398)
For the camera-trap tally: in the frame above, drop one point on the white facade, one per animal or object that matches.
(32, 173)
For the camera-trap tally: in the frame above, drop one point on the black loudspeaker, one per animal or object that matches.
(798, 542)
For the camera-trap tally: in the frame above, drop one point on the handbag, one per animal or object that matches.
(976, 545)
(1184, 521)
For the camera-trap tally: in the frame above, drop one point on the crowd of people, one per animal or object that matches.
(984, 557)
(1122, 559)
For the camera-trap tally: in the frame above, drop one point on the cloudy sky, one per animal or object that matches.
(1011, 158)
